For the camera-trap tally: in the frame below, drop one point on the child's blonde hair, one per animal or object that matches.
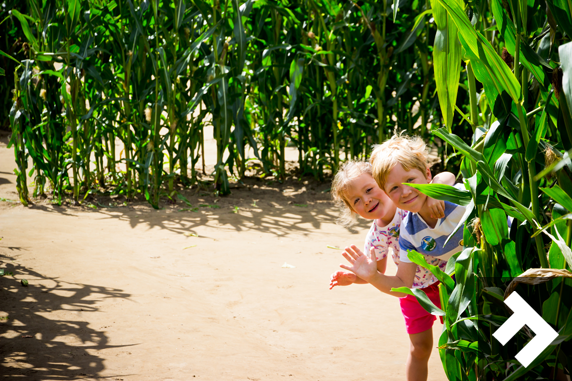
(349, 171)
(408, 151)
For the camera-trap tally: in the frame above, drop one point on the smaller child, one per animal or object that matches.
(397, 161)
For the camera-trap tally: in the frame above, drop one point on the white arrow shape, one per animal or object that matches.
(523, 314)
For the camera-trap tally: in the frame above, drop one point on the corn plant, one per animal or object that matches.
(516, 165)
(122, 90)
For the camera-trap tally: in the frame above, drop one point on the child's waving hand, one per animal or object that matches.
(361, 265)
(342, 278)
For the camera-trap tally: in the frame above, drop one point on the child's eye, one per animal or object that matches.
(411, 180)
(356, 201)
(368, 190)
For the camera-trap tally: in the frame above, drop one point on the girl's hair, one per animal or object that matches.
(408, 151)
(349, 171)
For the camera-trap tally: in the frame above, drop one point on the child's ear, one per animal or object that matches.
(428, 174)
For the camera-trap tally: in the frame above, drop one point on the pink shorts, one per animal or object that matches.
(417, 319)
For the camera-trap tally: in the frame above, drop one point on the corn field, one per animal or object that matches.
(328, 78)
(488, 82)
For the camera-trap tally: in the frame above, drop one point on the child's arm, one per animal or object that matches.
(344, 278)
(365, 268)
(438, 206)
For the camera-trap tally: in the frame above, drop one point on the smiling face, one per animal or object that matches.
(367, 199)
(404, 196)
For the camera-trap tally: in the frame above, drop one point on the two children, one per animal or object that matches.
(377, 192)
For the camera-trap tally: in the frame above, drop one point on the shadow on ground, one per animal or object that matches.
(291, 207)
(34, 345)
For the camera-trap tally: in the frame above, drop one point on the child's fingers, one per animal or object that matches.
(350, 252)
(346, 267)
(348, 257)
(441, 207)
(356, 250)
(372, 254)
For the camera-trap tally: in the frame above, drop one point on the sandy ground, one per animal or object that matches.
(133, 293)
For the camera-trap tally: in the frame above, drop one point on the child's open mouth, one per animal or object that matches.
(374, 208)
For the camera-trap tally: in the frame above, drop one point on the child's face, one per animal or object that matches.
(404, 196)
(367, 199)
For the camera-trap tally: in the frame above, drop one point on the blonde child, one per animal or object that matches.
(397, 161)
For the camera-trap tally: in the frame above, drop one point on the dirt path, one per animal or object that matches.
(131, 293)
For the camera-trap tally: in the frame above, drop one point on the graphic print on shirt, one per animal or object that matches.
(428, 244)
(382, 238)
(394, 231)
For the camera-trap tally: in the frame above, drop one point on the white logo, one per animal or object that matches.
(525, 314)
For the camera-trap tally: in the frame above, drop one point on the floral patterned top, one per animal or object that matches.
(383, 238)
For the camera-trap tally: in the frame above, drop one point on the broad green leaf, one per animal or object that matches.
(73, 11)
(458, 297)
(565, 52)
(26, 28)
(509, 251)
(443, 277)
(422, 298)
(558, 195)
(507, 30)
(480, 51)
(179, 14)
(462, 345)
(495, 227)
(491, 180)
(239, 36)
(562, 12)
(395, 7)
(447, 56)
(444, 192)
(550, 308)
(558, 240)
(459, 144)
(555, 220)
(409, 38)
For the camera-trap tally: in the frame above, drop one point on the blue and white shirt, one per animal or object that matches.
(417, 235)
(384, 238)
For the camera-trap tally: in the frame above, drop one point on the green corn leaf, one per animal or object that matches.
(73, 12)
(395, 7)
(443, 277)
(509, 251)
(444, 192)
(164, 74)
(481, 52)
(564, 248)
(528, 57)
(9, 56)
(558, 195)
(447, 56)
(562, 12)
(495, 227)
(462, 345)
(179, 14)
(26, 28)
(459, 144)
(565, 52)
(552, 223)
(184, 199)
(409, 38)
(239, 36)
(422, 298)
